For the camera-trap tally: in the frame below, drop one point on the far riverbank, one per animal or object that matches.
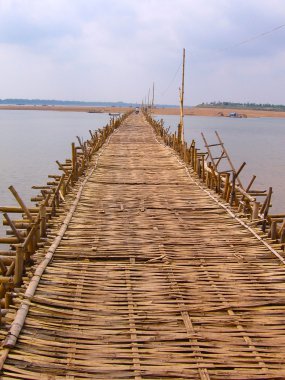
(193, 111)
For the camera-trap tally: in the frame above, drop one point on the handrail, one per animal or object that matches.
(242, 201)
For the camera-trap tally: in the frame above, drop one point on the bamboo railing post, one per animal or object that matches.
(272, 234)
(19, 265)
(42, 215)
(29, 245)
(199, 169)
(74, 163)
(233, 191)
(208, 175)
(179, 133)
(219, 181)
(266, 209)
(203, 168)
(282, 238)
(185, 151)
(8, 299)
(255, 210)
(229, 190)
(195, 160)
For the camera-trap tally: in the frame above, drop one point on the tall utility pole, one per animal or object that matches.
(152, 103)
(181, 95)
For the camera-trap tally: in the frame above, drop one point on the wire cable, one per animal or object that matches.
(254, 37)
(172, 80)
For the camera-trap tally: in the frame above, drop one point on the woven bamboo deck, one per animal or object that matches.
(152, 280)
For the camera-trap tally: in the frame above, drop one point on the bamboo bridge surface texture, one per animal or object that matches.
(152, 280)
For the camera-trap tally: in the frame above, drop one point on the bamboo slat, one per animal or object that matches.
(148, 276)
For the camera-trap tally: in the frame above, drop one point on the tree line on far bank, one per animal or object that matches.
(248, 105)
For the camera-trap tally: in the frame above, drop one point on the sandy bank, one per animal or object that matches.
(218, 112)
(157, 111)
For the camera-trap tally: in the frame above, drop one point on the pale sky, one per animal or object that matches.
(113, 50)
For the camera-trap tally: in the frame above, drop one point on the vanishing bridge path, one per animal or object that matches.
(152, 280)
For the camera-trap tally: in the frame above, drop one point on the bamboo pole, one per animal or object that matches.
(62, 168)
(255, 210)
(19, 265)
(21, 203)
(3, 267)
(19, 210)
(13, 227)
(74, 162)
(228, 157)
(43, 216)
(181, 96)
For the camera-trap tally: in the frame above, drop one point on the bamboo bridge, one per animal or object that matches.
(140, 261)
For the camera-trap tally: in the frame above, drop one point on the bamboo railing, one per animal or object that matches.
(30, 232)
(243, 201)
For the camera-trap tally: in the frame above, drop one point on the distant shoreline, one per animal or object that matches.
(195, 111)
(219, 112)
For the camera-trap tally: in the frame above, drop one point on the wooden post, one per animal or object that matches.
(255, 210)
(74, 162)
(233, 191)
(19, 265)
(266, 207)
(42, 214)
(273, 230)
(181, 94)
(13, 227)
(192, 153)
(8, 299)
(21, 203)
(195, 160)
(229, 190)
(179, 133)
(282, 237)
(203, 168)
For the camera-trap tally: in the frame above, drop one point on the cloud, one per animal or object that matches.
(114, 50)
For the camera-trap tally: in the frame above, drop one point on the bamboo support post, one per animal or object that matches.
(13, 227)
(74, 163)
(266, 209)
(3, 267)
(255, 210)
(19, 265)
(61, 167)
(272, 234)
(8, 299)
(21, 203)
(43, 216)
(250, 183)
(282, 238)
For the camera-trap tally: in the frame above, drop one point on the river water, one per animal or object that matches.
(31, 142)
(260, 142)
